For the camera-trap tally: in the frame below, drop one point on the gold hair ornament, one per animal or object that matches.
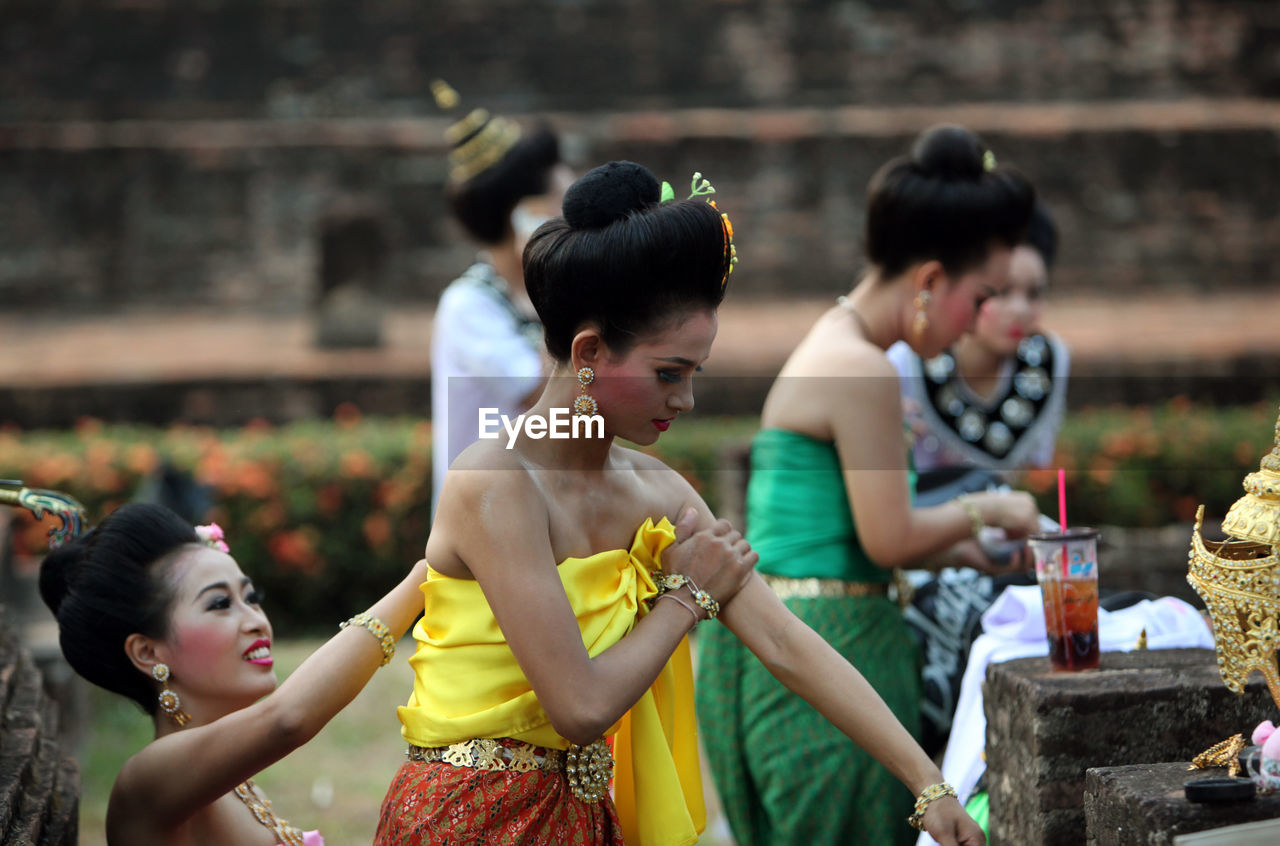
(39, 501)
(700, 186)
(479, 140)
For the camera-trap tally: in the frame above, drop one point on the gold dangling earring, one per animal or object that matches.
(921, 322)
(169, 701)
(585, 405)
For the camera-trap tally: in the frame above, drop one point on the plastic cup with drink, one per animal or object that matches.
(1067, 571)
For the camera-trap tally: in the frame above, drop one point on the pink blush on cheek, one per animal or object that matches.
(202, 645)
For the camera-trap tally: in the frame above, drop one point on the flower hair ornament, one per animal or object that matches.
(702, 187)
(212, 535)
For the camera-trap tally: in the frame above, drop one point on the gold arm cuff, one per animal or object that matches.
(813, 588)
(976, 522)
(378, 629)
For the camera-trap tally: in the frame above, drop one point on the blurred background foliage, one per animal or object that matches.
(326, 515)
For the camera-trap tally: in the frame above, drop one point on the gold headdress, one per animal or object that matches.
(479, 140)
(40, 502)
(1239, 579)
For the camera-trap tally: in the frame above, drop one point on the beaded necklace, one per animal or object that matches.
(287, 834)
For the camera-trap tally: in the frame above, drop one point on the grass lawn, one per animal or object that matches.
(334, 783)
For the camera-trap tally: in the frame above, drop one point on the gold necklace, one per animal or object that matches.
(847, 304)
(261, 808)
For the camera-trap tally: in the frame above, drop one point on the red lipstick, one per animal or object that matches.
(260, 650)
(663, 425)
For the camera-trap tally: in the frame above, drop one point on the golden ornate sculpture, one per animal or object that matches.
(38, 501)
(1256, 515)
(1239, 579)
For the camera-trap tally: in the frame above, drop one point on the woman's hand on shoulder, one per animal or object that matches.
(717, 558)
(947, 822)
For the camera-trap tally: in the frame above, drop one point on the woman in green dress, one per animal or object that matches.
(829, 503)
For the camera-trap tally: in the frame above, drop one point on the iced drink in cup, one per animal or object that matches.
(1067, 570)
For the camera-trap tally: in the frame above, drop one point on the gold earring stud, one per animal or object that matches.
(921, 321)
(169, 701)
(585, 405)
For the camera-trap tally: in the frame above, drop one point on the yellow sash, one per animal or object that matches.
(467, 684)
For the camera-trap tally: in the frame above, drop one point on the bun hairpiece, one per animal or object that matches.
(701, 187)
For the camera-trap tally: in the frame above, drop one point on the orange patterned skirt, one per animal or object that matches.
(438, 804)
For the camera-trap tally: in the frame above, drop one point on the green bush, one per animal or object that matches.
(1154, 466)
(326, 515)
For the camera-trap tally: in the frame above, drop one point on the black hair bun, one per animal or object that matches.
(56, 573)
(609, 192)
(949, 152)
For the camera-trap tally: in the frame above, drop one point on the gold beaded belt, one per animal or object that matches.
(588, 768)
(813, 588)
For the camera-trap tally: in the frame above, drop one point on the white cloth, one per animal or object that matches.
(483, 355)
(1013, 627)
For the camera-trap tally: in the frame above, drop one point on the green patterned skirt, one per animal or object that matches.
(784, 774)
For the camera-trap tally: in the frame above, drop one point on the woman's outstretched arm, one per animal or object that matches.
(799, 658)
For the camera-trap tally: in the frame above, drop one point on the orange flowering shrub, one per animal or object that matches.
(1152, 466)
(327, 515)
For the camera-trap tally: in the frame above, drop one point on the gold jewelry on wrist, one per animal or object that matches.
(671, 581)
(704, 600)
(976, 523)
(378, 629)
(668, 582)
(696, 618)
(926, 797)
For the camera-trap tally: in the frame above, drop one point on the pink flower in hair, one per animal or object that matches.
(1263, 732)
(212, 536)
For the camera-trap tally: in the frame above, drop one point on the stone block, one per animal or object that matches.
(1144, 805)
(1045, 729)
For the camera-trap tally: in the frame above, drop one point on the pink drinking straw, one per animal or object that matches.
(1062, 500)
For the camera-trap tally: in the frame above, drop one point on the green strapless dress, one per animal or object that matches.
(784, 774)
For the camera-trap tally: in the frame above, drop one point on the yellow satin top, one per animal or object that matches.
(467, 684)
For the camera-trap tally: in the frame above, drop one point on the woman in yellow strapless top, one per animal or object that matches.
(552, 622)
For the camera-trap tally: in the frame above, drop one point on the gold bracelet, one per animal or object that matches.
(976, 523)
(704, 600)
(378, 629)
(696, 618)
(668, 582)
(927, 796)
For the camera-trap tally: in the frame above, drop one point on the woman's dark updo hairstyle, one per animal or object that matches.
(941, 203)
(621, 260)
(102, 588)
(1042, 235)
(483, 204)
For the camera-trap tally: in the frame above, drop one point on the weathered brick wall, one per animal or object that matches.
(164, 153)
(1146, 805)
(285, 58)
(231, 214)
(1045, 729)
(39, 785)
